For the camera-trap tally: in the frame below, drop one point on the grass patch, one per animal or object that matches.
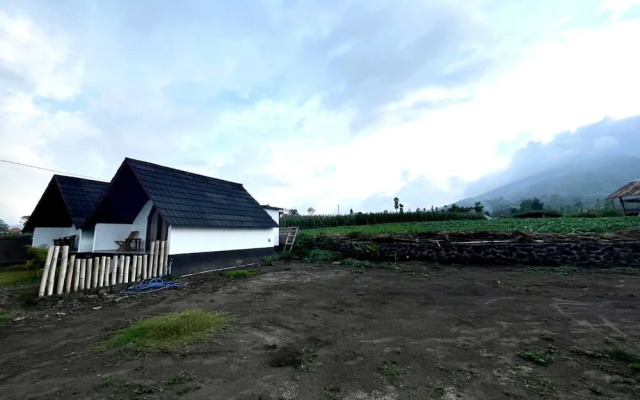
(17, 276)
(167, 331)
(609, 360)
(179, 379)
(540, 357)
(25, 297)
(391, 371)
(241, 273)
(322, 256)
(6, 317)
(537, 384)
(563, 270)
(356, 266)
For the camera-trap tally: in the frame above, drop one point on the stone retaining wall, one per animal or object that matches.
(588, 254)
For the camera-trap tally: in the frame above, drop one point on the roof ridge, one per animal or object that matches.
(56, 176)
(128, 159)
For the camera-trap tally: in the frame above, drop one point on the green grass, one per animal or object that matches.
(541, 225)
(537, 384)
(240, 273)
(391, 371)
(167, 331)
(25, 297)
(17, 276)
(540, 357)
(322, 256)
(6, 317)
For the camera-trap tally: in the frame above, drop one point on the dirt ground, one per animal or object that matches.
(408, 331)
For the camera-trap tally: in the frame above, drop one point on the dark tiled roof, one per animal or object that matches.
(80, 195)
(187, 199)
(66, 201)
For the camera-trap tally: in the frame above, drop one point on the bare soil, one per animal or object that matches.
(406, 331)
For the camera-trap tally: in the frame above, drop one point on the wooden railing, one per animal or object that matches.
(74, 273)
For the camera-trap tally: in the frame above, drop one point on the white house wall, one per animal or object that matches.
(85, 244)
(106, 235)
(275, 232)
(45, 236)
(183, 240)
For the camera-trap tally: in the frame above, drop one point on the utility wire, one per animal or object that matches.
(51, 170)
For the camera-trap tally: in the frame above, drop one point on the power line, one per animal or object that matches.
(51, 170)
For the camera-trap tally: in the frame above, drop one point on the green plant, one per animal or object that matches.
(25, 297)
(544, 225)
(6, 317)
(540, 357)
(391, 371)
(37, 257)
(167, 331)
(322, 256)
(269, 260)
(356, 266)
(179, 379)
(537, 384)
(241, 273)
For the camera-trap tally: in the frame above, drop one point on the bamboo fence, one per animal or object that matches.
(93, 272)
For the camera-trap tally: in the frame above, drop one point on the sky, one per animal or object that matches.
(308, 104)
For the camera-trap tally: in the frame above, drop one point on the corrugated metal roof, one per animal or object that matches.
(630, 189)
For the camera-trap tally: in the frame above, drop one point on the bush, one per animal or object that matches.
(322, 256)
(539, 214)
(37, 257)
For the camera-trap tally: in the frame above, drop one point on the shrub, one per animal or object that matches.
(322, 256)
(37, 257)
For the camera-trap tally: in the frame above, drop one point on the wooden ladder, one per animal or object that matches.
(291, 239)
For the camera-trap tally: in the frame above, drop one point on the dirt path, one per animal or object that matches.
(305, 332)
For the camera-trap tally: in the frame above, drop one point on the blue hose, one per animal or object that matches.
(151, 285)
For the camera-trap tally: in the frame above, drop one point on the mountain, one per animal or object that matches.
(573, 171)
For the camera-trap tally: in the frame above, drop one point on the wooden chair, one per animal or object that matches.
(131, 243)
(66, 241)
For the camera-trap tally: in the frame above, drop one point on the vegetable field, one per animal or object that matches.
(539, 225)
(327, 221)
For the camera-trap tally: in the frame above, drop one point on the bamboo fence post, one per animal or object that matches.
(96, 271)
(76, 276)
(63, 269)
(113, 268)
(83, 272)
(102, 268)
(153, 247)
(52, 270)
(70, 273)
(161, 265)
(45, 272)
(134, 268)
(145, 262)
(127, 261)
(89, 276)
(120, 268)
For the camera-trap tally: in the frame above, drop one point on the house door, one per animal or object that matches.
(157, 228)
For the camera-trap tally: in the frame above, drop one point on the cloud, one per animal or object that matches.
(322, 103)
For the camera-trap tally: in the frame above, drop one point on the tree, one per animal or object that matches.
(293, 211)
(24, 219)
(351, 211)
(478, 207)
(531, 205)
(311, 210)
(4, 228)
(396, 203)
